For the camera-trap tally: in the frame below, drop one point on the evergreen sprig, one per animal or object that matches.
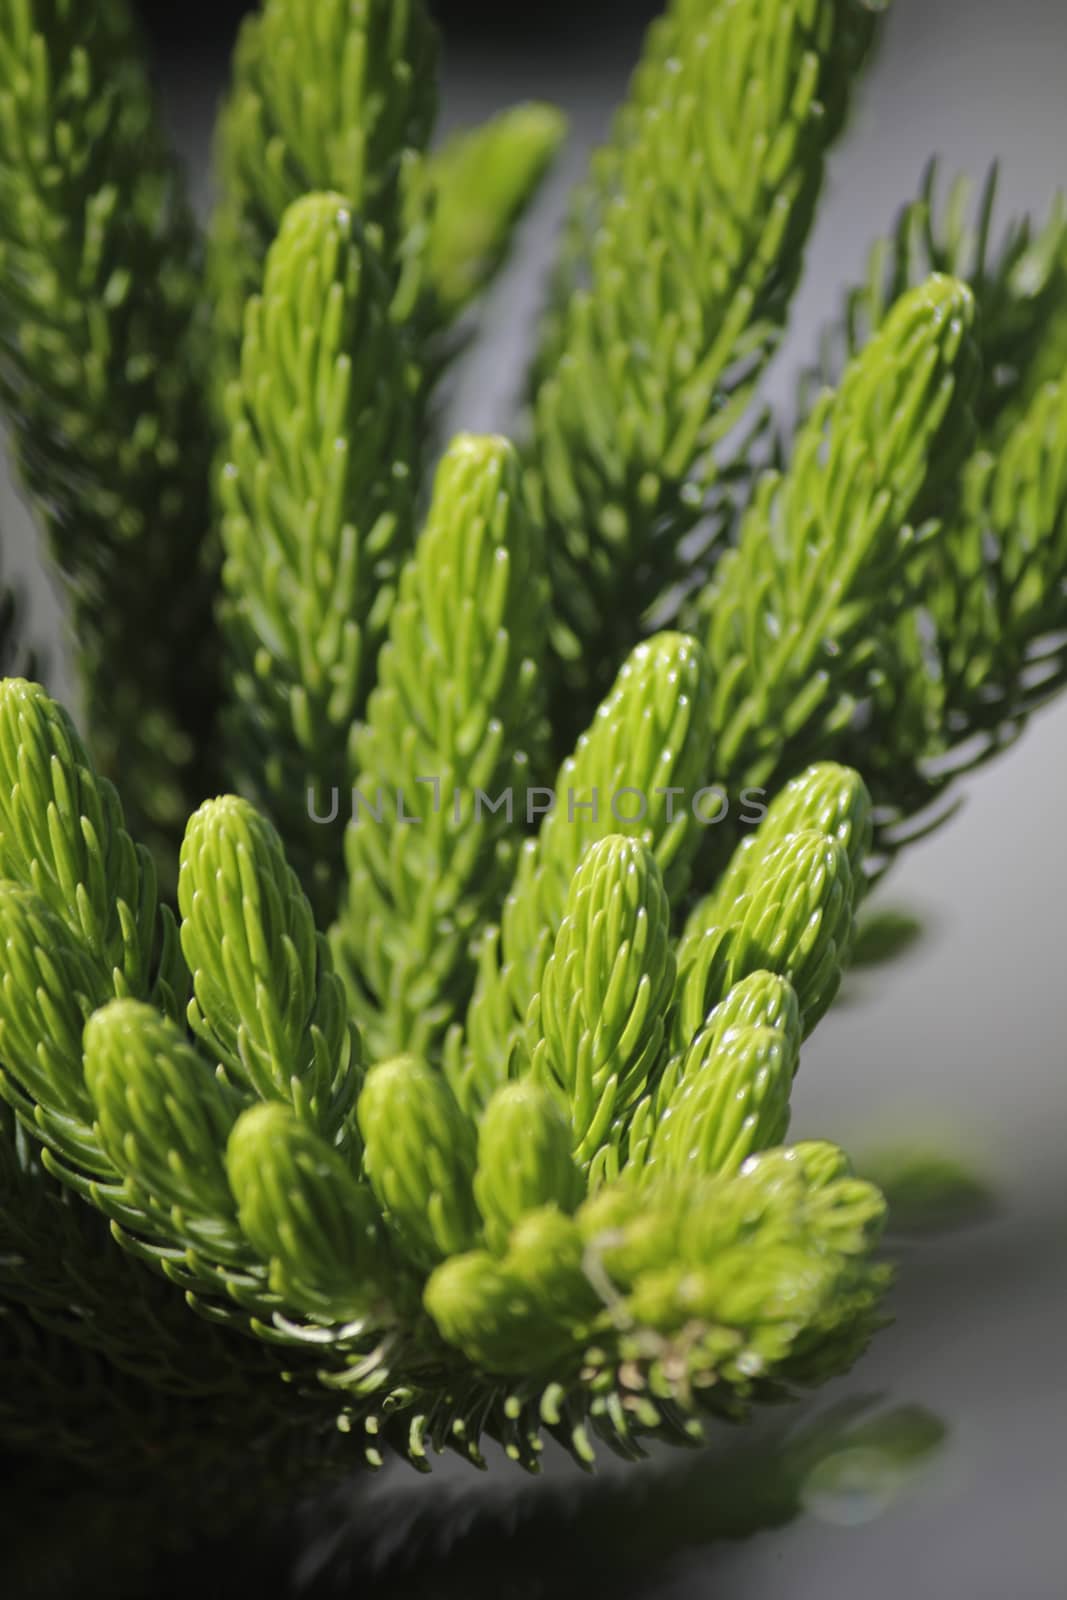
(974, 653)
(646, 749)
(1015, 272)
(453, 1103)
(267, 1003)
(683, 251)
(455, 734)
(341, 99)
(317, 496)
(386, 1243)
(345, 101)
(983, 649)
(821, 565)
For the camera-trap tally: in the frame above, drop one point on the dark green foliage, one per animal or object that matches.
(101, 372)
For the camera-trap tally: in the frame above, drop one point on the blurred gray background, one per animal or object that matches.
(964, 1039)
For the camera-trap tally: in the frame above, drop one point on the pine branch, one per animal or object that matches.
(551, 1193)
(791, 1230)
(63, 839)
(309, 1218)
(1017, 274)
(419, 1158)
(975, 654)
(318, 502)
(1002, 591)
(524, 1160)
(267, 1004)
(646, 746)
(341, 99)
(759, 962)
(99, 369)
(364, 1259)
(796, 921)
(796, 611)
(678, 269)
(825, 798)
(596, 1028)
(731, 1097)
(454, 735)
(983, 650)
(80, 927)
